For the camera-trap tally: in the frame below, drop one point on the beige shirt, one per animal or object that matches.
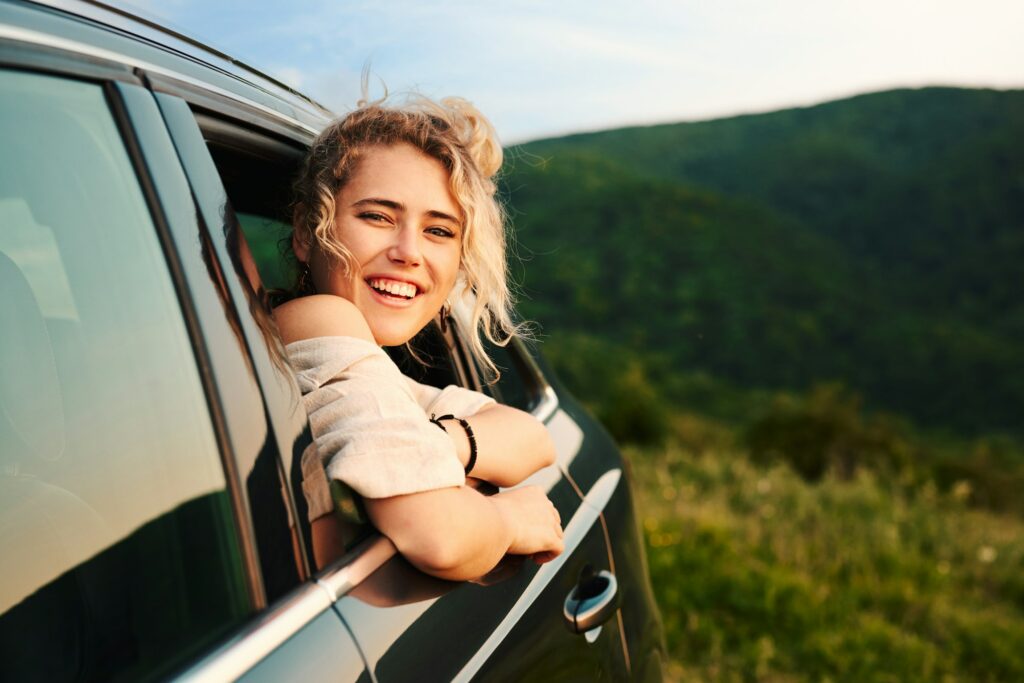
(370, 423)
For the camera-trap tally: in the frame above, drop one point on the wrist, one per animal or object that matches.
(508, 518)
(462, 437)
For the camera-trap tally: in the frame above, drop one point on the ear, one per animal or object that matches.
(300, 247)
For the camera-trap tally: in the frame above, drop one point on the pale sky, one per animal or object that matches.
(545, 68)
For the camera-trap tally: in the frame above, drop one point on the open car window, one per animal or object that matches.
(257, 172)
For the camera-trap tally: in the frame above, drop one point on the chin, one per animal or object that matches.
(388, 335)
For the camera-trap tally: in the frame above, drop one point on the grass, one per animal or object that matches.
(763, 576)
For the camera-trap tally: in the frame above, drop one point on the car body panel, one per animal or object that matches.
(401, 630)
(321, 650)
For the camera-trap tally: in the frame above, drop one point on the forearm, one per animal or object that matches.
(511, 444)
(328, 542)
(452, 533)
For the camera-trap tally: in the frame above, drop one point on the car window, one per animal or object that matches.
(510, 387)
(257, 173)
(117, 546)
(267, 238)
(517, 385)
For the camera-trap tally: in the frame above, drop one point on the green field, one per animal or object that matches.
(764, 576)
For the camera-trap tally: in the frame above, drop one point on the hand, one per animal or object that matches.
(535, 524)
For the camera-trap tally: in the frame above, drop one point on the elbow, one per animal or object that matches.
(536, 455)
(439, 555)
(547, 455)
(431, 552)
(543, 451)
(437, 545)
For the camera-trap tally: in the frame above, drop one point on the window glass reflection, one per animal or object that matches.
(116, 545)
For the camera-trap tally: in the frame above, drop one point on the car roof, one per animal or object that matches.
(124, 35)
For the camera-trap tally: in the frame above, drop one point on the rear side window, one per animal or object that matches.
(117, 547)
(516, 385)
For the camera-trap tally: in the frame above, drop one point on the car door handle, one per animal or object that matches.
(592, 602)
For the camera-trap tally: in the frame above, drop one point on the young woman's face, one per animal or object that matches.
(398, 218)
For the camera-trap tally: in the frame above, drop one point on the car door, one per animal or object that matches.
(409, 626)
(638, 617)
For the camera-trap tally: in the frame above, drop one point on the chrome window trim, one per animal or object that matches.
(350, 571)
(150, 28)
(547, 402)
(261, 637)
(25, 35)
(582, 521)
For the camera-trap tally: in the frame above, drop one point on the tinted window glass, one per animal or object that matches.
(511, 388)
(117, 549)
(267, 239)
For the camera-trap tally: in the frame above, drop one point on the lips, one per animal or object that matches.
(395, 289)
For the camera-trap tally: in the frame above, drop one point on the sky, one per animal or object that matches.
(540, 69)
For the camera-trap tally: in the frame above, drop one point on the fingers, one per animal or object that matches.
(551, 553)
(538, 525)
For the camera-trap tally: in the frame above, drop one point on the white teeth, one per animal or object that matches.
(396, 288)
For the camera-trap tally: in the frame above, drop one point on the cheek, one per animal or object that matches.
(351, 239)
(447, 266)
(454, 270)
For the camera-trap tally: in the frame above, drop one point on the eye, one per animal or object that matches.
(375, 217)
(440, 231)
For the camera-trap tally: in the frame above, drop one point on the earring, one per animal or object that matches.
(304, 285)
(443, 317)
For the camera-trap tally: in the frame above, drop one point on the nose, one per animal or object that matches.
(405, 248)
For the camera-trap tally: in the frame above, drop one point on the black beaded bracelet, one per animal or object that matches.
(469, 435)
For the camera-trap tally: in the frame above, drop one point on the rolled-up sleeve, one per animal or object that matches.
(371, 431)
(451, 400)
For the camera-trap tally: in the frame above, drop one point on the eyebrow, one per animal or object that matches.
(397, 206)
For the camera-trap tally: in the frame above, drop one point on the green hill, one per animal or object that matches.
(876, 241)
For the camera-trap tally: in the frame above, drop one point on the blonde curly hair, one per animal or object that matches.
(455, 133)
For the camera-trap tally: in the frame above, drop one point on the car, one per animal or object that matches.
(152, 522)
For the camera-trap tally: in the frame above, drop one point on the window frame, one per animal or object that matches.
(289, 615)
(284, 414)
(174, 213)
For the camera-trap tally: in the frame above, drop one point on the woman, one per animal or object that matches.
(395, 222)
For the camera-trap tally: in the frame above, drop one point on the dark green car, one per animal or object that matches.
(152, 523)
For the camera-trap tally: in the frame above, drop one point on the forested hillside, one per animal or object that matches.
(876, 241)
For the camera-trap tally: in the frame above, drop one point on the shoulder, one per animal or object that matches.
(320, 315)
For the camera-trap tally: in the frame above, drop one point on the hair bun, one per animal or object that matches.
(476, 133)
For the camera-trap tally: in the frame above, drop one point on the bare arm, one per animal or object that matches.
(511, 444)
(454, 533)
(460, 534)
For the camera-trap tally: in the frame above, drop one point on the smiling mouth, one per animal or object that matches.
(393, 289)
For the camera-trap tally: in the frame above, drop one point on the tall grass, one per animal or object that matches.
(764, 576)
